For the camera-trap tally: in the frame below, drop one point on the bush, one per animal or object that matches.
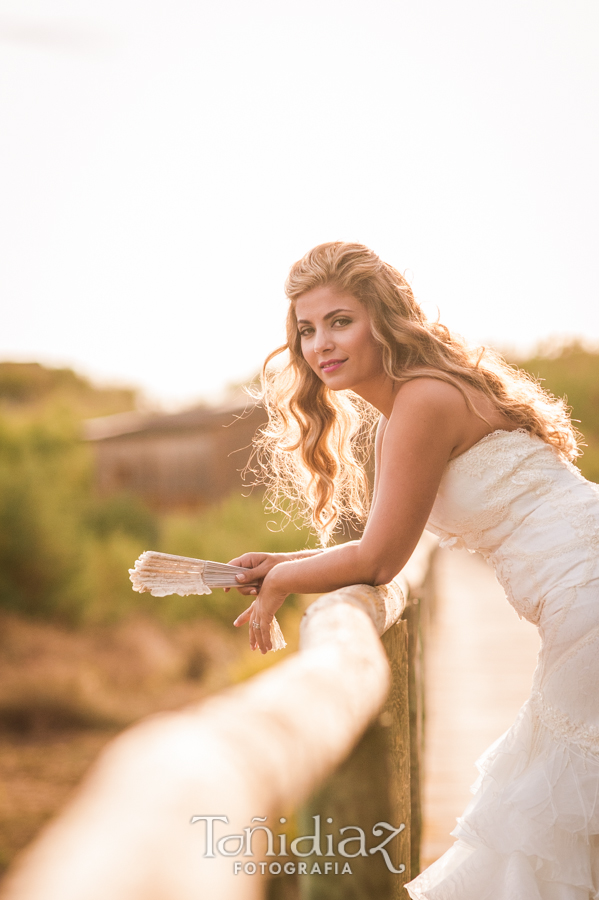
(572, 371)
(65, 553)
(60, 547)
(42, 481)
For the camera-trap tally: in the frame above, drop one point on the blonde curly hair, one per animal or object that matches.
(316, 444)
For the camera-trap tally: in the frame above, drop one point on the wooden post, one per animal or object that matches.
(372, 786)
(381, 779)
(412, 619)
(418, 613)
(397, 719)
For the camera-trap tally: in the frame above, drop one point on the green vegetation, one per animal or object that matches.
(27, 389)
(573, 372)
(64, 551)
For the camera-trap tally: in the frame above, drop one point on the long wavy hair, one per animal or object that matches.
(317, 442)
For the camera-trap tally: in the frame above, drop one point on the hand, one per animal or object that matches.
(260, 564)
(261, 612)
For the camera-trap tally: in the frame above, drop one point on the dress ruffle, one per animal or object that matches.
(531, 832)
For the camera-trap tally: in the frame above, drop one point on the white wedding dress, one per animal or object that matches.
(531, 831)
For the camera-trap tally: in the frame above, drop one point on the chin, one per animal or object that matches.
(338, 385)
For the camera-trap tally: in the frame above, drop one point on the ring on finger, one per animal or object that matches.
(256, 625)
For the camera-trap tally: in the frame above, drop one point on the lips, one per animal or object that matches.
(331, 364)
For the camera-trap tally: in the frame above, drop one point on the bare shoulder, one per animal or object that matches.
(432, 417)
(430, 394)
(428, 416)
(437, 407)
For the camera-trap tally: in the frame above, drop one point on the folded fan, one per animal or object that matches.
(163, 573)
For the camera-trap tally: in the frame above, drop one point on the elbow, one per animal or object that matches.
(380, 567)
(385, 569)
(384, 573)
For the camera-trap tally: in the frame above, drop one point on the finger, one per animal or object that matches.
(263, 634)
(254, 573)
(254, 632)
(252, 579)
(266, 636)
(259, 639)
(248, 578)
(248, 590)
(247, 560)
(244, 616)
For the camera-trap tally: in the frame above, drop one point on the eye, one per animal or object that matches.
(341, 321)
(306, 331)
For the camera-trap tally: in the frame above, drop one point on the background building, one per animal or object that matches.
(181, 460)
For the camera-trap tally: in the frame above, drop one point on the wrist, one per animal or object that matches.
(275, 579)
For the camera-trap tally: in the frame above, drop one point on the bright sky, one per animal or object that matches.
(163, 163)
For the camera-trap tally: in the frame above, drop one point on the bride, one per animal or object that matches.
(476, 452)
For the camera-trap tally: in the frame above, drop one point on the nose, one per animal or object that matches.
(323, 340)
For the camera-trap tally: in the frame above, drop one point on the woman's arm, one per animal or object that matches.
(429, 419)
(261, 563)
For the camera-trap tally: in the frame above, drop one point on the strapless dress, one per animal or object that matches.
(531, 832)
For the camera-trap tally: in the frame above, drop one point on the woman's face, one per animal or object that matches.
(336, 339)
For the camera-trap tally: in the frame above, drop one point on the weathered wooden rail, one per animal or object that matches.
(170, 810)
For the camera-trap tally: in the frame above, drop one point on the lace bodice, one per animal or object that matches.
(530, 513)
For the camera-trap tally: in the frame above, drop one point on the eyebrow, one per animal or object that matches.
(328, 316)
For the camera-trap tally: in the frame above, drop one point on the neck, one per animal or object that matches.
(379, 392)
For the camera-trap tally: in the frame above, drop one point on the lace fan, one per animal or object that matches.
(163, 573)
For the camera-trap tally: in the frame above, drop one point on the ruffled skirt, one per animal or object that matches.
(531, 831)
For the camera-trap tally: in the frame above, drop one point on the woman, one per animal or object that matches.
(476, 452)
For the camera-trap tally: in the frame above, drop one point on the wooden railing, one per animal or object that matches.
(170, 810)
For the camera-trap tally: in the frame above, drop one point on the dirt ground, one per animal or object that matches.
(65, 693)
(36, 777)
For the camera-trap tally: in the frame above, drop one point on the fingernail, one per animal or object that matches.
(240, 577)
(253, 592)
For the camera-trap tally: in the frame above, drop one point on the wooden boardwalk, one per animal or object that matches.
(480, 660)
